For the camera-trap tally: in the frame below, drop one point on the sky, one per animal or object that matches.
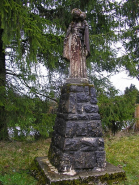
(121, 81)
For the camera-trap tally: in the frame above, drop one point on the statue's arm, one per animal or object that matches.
(86, 24)
(86, 39)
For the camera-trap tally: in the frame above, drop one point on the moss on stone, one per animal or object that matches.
(110, 178)
(82, 84)
(67, 86)
(38, 173)
(52, 156)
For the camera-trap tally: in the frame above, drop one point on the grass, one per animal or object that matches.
(15, 160)
(124, 152)
(16, 157)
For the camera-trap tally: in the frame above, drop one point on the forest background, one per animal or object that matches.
(31, 40)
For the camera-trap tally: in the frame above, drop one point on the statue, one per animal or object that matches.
(76, 44)
(76, 154)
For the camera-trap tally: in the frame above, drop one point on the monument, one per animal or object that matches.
(77, 142)
(76, 154)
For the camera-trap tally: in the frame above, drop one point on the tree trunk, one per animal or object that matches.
(137, 118)
(3, 124)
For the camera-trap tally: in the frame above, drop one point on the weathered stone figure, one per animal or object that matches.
(76, 44)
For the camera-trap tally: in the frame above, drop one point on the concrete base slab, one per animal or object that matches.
(48, 174)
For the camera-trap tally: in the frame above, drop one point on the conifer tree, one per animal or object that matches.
(33, 32)
(31, 35)
(117, 111)
(128, 16)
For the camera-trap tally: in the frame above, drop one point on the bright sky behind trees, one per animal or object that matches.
(121, 81)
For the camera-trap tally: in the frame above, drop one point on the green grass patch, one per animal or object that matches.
(124, 152)
(16, 158)
(18, 178)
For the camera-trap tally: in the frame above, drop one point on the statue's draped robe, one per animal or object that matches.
(76, 48)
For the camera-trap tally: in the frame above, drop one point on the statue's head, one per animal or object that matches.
(76, 13)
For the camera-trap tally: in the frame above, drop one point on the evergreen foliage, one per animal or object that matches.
(31, 39)
(117, 112)
(129, 26)
(30, 114)
(131, 89)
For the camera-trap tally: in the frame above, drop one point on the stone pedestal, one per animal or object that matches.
(46, 174)
(77, 142)
(76, 154)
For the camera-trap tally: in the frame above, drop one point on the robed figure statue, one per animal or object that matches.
(76, 44)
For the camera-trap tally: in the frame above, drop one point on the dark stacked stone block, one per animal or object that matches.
(77, 139)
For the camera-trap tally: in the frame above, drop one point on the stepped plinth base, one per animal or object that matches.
(47, 174)
(77, 142)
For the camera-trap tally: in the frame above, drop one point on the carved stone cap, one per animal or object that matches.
(77, 80)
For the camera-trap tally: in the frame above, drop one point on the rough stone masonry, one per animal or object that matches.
(77, 142)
